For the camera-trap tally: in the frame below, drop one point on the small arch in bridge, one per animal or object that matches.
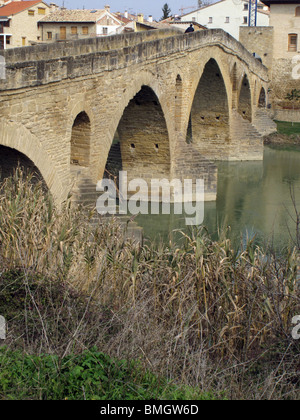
(244, 105)
(262, 103)
(11, 159)
(80, 140)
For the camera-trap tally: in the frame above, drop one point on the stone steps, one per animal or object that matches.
(263, 123)
(242, 129)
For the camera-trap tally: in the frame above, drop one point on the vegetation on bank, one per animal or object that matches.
(288, 128)
(90, 375)
(288, 133)
(80, 300)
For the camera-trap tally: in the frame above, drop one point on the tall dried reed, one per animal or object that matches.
(197, 311)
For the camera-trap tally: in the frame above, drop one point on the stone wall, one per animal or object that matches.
(259, 40)
(272, 44)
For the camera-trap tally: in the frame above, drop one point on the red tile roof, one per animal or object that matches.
(16, 7)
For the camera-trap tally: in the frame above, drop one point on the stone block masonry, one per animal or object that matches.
(62, 105)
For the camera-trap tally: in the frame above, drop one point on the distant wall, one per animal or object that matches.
(289, 115)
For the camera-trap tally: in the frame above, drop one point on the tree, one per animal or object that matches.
(294, 96)
(166, 11)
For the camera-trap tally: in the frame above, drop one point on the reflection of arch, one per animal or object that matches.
(262, 98)
(210, 110)
(244, 103)
(80, 140)
(143, 134)
(18, 137)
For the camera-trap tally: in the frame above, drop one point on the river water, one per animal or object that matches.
(253, 198)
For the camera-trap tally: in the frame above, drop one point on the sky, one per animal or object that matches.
(133, 6)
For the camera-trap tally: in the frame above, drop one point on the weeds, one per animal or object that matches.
(202, 314)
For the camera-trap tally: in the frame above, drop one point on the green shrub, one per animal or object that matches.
(91, 375)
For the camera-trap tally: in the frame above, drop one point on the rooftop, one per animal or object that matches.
(16, 7)
(67, 15)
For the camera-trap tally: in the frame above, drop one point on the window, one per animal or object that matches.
(49, 35)
(245, 20)
(23, 41)
(193, 19)
(74, 30)
(85, 30)
(246, 6)
(30, 12)
(210, 20)
(8, 38)
(297, 12)
(104, 31)
(227, 19)
(293, 42)
(63, 32)
(41, 11)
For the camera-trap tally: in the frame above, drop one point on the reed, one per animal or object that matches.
(197, 311)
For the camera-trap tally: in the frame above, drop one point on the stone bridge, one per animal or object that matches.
(168, 105)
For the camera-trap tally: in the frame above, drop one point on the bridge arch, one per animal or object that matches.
(120, 116)
(10, 159)
(209, 111)
(262, 98)
(19, 138)
(143, 137)
(245, 98)
(81, 140)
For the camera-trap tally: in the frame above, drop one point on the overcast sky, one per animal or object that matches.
(133, 6)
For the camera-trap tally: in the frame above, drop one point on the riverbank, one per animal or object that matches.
(203, 315)
(288, 134)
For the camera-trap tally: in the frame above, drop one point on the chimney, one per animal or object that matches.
(150, 18)
(107, 7)
(126, 14)
(141, 18)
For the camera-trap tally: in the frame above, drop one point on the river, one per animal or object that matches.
(253, 198)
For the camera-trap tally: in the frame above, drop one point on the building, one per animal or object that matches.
(279, 47)
(19, 22)
(228, 15)
(67, 24)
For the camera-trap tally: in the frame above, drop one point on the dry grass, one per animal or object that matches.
(200, 313)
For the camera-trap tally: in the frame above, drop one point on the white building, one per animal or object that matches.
(228, 15)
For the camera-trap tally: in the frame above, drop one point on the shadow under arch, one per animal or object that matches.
(244, 101)
(80, 140)
(20, 139)
(209, 117)
(262, 99)
(141, 144)
(11, 159)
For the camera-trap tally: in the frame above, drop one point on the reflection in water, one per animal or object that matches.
(253, 198)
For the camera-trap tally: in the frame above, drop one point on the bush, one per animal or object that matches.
(89, 376)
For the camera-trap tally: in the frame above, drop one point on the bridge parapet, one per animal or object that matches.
(43, 64)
